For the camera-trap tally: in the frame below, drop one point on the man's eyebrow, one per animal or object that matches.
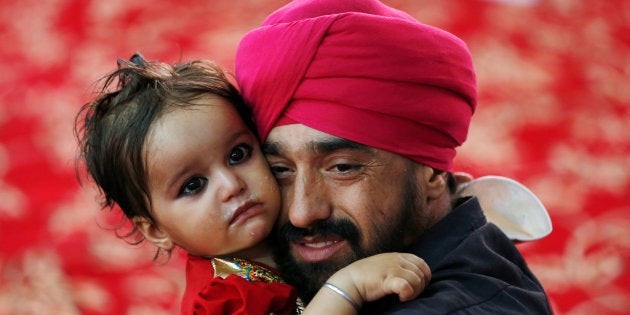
(324, 146)
(336, 144)
(270, 148)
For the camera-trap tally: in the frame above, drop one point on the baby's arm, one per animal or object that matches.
(370, 279)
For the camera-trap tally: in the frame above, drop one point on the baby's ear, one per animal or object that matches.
(153, 233)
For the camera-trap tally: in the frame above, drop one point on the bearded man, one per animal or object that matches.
(360, 108)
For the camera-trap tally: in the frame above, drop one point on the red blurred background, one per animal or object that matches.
(554, 113)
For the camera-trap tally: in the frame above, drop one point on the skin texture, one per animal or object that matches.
(211, 189)
(402, 274)
(212, 193)
(343, 201)
(173, 149)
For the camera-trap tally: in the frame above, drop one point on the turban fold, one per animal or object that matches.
(362, 71)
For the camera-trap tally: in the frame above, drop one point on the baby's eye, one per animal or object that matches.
(240, 154)
(193, 186)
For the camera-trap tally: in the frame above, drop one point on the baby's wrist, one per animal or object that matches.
(345, 283)
(345, 295)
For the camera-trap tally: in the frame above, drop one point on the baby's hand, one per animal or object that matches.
(374, 277)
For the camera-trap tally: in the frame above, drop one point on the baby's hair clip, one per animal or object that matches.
(137, 59)
(127, 76)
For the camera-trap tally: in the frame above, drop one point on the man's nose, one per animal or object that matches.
(230, 184)
(309, 201)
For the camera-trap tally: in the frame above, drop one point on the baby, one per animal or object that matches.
(174, 147)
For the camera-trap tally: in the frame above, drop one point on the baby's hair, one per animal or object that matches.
(112, 128)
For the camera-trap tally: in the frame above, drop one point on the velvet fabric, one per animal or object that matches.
(475, 269)
(207, 293)
(361, 71)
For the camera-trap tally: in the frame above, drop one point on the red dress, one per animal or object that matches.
(235, 286)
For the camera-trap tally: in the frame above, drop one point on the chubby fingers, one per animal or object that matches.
(415, 275)
(424, 269)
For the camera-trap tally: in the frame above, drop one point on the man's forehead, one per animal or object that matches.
(288, 132)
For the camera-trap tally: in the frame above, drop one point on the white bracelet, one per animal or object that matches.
(343, 295)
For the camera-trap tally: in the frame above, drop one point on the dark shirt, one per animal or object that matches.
(476, 269)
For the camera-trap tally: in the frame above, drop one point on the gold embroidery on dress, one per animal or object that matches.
(224, 267)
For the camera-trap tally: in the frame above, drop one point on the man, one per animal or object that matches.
(360, 108)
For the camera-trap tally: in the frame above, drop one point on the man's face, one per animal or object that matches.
(342, 201)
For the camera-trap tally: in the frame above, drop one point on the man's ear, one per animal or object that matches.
(436, 182)
(153, 233)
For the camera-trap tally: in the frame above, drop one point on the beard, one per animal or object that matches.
(393, 235)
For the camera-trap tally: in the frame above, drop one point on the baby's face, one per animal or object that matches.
(212, 192)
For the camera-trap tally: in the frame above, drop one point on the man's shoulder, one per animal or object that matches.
(475, 281)
(509, 300)
(476, 269)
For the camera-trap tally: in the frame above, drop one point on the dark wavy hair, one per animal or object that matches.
(112, 128)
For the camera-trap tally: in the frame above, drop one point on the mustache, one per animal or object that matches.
(343, 228)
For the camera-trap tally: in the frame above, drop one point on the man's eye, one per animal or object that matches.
(345, 168)
(239, 154)
(192, 186)
(279, 170)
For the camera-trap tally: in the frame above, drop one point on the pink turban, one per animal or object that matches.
(362, 71)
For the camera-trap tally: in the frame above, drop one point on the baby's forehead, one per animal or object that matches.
(204, 130)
